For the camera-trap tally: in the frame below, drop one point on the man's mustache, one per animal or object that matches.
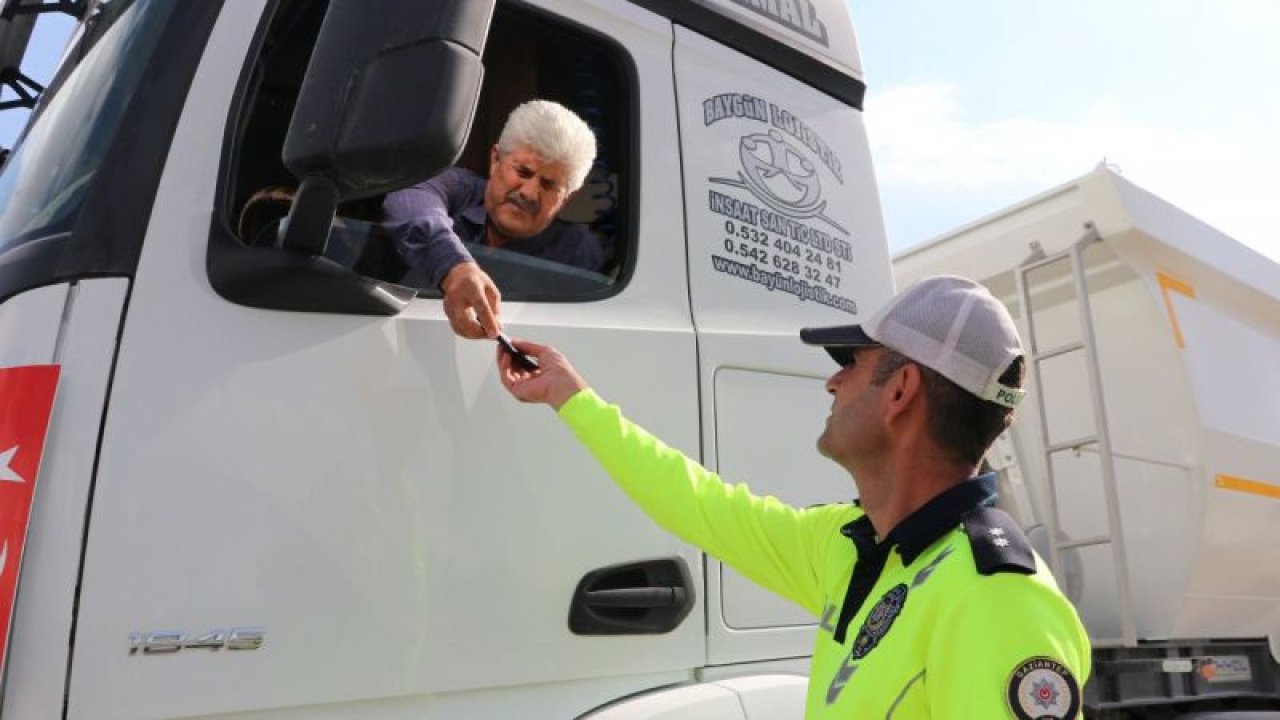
(530, 206)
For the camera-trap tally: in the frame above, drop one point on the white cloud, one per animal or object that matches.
(923, 140)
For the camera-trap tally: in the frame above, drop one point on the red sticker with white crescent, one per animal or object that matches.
(26, 401)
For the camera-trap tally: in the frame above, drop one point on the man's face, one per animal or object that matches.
(855, 429)
(524, 192)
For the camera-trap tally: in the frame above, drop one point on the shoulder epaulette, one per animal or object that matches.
(999, 545)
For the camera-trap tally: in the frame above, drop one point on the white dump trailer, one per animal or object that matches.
(1146, 458)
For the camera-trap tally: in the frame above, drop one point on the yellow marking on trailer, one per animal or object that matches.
(1231, 482)
(1167, 283)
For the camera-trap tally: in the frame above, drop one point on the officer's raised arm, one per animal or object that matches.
(912, 582)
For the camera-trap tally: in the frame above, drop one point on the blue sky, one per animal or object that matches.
(42, 53)
(47, 42)
(975, 105)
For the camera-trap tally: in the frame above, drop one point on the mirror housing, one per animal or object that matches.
(389, 93)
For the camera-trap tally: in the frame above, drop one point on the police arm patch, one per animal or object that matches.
(1042, 688)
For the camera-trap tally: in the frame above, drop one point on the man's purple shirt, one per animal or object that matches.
(431, 223)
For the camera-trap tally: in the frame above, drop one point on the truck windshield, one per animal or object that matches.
(46, 178)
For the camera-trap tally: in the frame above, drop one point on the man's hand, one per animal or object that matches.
(553, 383)
(471, 301)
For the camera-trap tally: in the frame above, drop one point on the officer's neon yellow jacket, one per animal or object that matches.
(934, 638)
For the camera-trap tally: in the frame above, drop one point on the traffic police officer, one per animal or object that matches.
(931, 602)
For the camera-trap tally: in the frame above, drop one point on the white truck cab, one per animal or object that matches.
(275, 485)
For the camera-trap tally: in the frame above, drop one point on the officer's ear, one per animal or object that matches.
(904, 389)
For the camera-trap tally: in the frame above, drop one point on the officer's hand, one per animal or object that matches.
(553, 383)
(471, 301)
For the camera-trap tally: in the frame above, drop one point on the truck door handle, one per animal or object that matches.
(644, 598)
(641, 597)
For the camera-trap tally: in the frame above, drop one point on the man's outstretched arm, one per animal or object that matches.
(420, 220)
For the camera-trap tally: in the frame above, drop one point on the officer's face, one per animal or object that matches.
(524, 193)
(855, 429)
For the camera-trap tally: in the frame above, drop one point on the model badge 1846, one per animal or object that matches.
(172, 641)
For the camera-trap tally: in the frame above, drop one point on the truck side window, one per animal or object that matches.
(528, 54)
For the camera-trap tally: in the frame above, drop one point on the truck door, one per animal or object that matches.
(360, 491)
(784, 230)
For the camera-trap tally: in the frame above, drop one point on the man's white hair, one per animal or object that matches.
(554, 132)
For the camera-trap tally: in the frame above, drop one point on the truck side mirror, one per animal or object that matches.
(388, 99)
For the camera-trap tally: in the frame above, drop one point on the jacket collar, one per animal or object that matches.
(917, 531)
(475, 214)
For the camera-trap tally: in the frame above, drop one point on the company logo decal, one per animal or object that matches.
(26, 402)
(797, 15)
(772, 199)
(1043, 689)
(782, 178)
(741, 105)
